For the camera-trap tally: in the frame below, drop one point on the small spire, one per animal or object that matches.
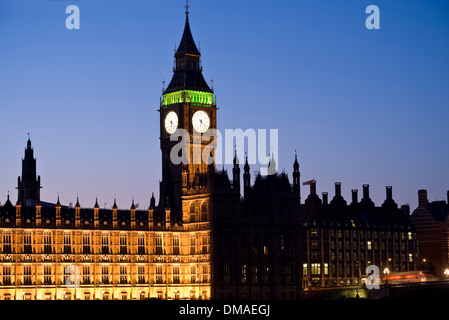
(96, 206)
(115, 204)
(187, 7)
(132, 205)
(58, 204)
(152, 201)
(236, 159)
(77, 205)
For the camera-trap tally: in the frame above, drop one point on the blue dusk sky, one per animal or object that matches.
(359, 106)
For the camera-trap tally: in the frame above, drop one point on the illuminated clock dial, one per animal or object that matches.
(171, 122)
(200, 121)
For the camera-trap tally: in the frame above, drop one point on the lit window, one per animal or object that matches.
(316, 268)
(304, 269)
(410, 237)
(244, 273)
(369, 245)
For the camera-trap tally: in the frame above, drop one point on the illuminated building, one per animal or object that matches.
(341, 240)
(200, 241)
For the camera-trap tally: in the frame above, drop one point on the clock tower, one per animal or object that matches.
(188, 103)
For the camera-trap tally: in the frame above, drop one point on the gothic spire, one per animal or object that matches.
(188, 71)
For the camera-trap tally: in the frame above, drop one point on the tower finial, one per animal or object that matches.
(187, 7)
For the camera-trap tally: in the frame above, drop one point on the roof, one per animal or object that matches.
(188, 73)
(187, 44)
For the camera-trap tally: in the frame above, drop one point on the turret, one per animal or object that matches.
(114, 214)
(77, 213)
(58, 213)
(167, 214)
(236, 174)
(96, 213)
(246, 178)
(296, 178)
(133, 215)
(29, 185)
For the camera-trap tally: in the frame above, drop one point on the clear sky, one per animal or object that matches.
(358, 105)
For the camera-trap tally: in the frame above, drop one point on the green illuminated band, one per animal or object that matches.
(190, 96)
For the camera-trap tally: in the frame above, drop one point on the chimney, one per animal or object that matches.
(422, 198)
(405, 209)
(338, 188)
(389, 192)
(366, 191)
(313, 187)
(325, 198)
(354, 196)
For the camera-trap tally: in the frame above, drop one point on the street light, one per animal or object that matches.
(446, 272)
(386, 272)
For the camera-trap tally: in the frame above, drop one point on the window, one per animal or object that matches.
(255, 246)
(255, 274)
(27, 248)
(205, 244)
(159, 274)
(266, 274)
(27, 275)
(304, 269)
(47, 274)
(86, 274)
(67, 243)
(175, 274)
(368, 244)
(7, 242)
(226, 273)
(6, 275)
(410, 237)
(105, 243)
(141, 244)
(315, 268)
(192, 212)
(205, 274)
(244, 275)
(192, 244)
(141, 274)
(158, 244)
(287, 273)
(47, 242)
(123, 275)
(176, 244)
(105, 274)
(192, 274)
(123, 244)
(204, 212)
(266, 244)
(86, 243)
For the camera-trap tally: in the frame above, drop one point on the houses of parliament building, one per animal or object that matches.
(207, 237)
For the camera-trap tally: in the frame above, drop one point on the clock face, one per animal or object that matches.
(200, 121)
(171, 122)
